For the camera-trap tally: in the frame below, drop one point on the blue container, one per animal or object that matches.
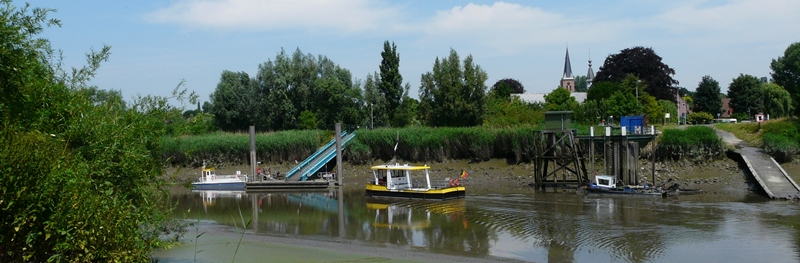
(631, 122)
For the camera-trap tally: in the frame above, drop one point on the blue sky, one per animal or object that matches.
(155, 44)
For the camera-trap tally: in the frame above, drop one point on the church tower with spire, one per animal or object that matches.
(567, 80)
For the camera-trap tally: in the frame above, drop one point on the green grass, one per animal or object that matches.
(747, 132)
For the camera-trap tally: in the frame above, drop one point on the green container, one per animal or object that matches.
(557, 120)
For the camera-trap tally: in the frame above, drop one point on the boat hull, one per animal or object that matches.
(431, 194)
(219, 186)
(625, 191)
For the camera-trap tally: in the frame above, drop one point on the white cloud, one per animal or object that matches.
(318, 15)
(733, 22)
(508, 27)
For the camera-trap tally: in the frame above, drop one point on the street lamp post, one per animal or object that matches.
(637, 88)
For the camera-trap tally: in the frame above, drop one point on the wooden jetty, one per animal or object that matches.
(286, 185)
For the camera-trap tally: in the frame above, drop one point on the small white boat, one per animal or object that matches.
(395, 181)
(607, 184)
(209, 180)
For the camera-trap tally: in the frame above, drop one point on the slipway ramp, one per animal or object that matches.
(316, 161)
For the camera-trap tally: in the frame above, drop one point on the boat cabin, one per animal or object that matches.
(398, 177)
(208, 174)
(606, 181)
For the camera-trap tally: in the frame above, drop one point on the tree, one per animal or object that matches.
(451, 95)
(234, 101)
(375, 102)
(287, 86)
(588, 113)
(391, 82)
(308, 120)
(650, 107)
(560, 100)
(777, 101)
(602, 90)
(581, 84)
(337, 103)
(707, 96)
(502, 89)
(645, 64)
(505, 113)
(745, 93)
(786, 71)
(623, 104)
(407, 113)
(669, 107)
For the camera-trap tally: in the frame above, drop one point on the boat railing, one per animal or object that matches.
(232, 176)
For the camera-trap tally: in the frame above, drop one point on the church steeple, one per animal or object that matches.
(567, 80)
(590, 74)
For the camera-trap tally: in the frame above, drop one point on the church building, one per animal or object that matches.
(567, 82)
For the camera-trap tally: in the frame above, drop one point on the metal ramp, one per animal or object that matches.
(316, 161)
(769, 174)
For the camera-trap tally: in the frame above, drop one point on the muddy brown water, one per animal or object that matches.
(502, 218)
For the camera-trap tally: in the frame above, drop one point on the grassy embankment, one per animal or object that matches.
(415, 144)
(779, 137)
(695, 143)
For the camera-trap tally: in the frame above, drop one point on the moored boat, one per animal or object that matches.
(209, 180)
(607, 184)
(395, 181)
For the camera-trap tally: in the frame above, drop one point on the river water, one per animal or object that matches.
(531, 226)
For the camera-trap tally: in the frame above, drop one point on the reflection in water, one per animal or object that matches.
(538, 227)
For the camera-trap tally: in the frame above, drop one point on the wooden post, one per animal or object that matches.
(591, 148)
(339, 153)
(252, 152)
(653, 162)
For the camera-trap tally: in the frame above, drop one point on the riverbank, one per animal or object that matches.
(497, 176)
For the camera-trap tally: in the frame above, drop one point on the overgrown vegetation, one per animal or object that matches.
(80, 175)
(414, 144)
(221, 147)
(695, 143)
(779, 137)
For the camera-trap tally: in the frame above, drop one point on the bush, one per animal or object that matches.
(781, 139)
(699, 118)
(697, 143)
(81, 178)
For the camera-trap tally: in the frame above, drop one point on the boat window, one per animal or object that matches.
(603, 182)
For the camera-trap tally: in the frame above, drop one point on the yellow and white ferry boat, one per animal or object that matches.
(396, 181)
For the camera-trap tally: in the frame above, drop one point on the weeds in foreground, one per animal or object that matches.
(244, 227)
(196, 237)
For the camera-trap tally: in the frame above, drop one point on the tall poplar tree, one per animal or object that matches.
(391, 82)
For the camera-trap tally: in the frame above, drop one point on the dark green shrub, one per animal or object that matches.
(696, 143)
(699, 118)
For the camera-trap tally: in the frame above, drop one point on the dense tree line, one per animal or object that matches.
(303, 91)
